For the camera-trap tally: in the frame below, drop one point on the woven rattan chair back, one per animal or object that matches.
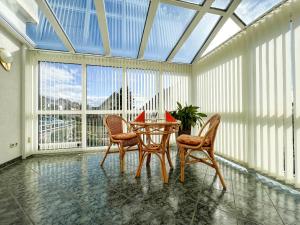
(114, 124)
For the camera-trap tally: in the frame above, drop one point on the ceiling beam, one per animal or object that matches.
(46, 9)
(17, 33)
(148, 25)
(190, 29)
(193, 6)
(238, 21)
(215, 31)
(102, 22)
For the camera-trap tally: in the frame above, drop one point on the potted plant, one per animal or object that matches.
(189, 117)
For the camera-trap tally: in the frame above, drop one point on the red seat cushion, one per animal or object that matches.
(124, 136)
(193, 140)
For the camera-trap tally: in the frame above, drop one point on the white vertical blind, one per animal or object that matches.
(253, 81)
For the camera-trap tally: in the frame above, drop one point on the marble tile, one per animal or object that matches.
(74, 189)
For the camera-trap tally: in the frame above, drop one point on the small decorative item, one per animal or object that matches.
(169, 117)
(189, 117)
(140, 117)
(5, 59)
(153, 116)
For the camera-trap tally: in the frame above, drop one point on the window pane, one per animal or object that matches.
(169, 24)
(59, 131)
(249, 10)
(104, 88)
(221, 4)
(78, 18)
(59, 86)
(126, 20)
(196, 39)
(142, 90)
(44, 35)
(229, 29)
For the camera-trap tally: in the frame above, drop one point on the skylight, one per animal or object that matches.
(44, 35)
(196, 39)
(79, 20)
(195, 1)
(138, 29)
(221, 4)
(169, 24)
(249, 10)
(126, 21)
(229, 29)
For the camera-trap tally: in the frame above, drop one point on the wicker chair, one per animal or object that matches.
(188, 144)
(124, 141)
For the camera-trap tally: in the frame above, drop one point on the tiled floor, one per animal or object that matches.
(73, 189)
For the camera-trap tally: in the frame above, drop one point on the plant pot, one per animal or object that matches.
(185, 131)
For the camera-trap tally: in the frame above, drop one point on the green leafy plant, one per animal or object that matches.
(189, 117)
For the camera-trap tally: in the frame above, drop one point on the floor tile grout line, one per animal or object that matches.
(21, 208)
(198, 198)
(233, 192)
(275, 207)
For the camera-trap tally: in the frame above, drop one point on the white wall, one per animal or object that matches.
(249, 81)
(10, 100)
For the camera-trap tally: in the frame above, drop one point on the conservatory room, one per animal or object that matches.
(150, 112)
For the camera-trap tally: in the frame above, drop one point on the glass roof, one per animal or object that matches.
(125, 23)
(44, 35)
(79, 20)
(249, 10)
(229, 29)
(192, 45)
(221, 4)
(195, 1)
(169, 24)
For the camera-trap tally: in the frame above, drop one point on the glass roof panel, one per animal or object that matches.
(44, 35)
(249, 10)
(229, 29)
(79, 20)
(195, 1)
(126, 21)
(192, 45)
(169, 24)
(221, 4)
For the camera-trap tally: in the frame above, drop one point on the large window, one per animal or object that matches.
(59, 104)
(73, 100)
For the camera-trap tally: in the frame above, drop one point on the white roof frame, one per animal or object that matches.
(102, 22)
(148, 25)
(190, 29)
(193, 6)
(43, 5)
(222, 21)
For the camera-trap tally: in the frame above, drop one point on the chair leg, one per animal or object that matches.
(138, 172)
(182, 162)
(216, 166)
(122, 154)
(106, 153)
(148, 160)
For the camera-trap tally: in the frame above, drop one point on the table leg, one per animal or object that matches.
(169, 156)
(163, 168)
(138, 172)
